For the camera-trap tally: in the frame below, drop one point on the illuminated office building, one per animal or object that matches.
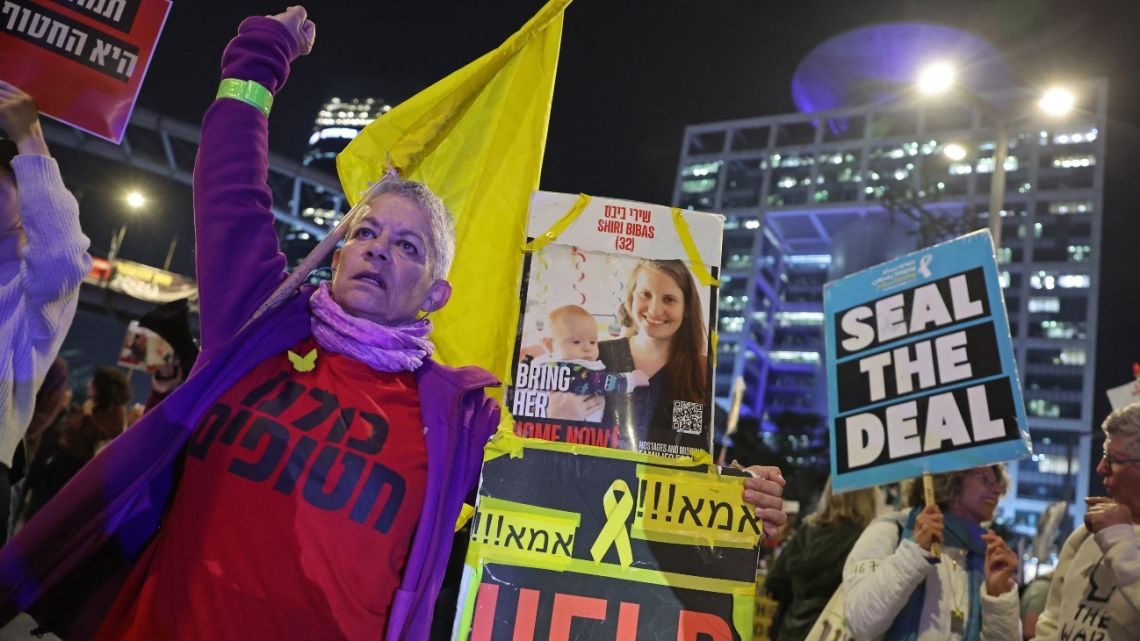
(337, 123)
(804, 195)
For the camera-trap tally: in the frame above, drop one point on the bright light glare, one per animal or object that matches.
(936, 78)
(1057, 101)
(954, 151)
(135, 200)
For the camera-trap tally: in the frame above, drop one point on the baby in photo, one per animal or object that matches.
(573, 344)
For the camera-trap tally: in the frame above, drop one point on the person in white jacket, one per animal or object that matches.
(898, 590)
(1095, 594)
(43, 259)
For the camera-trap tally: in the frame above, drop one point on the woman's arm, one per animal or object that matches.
(54, 261)
(1000, 605)
(1048, 623)
(879, 577)
(1001, 615)
(238, 260)
(1121, 551)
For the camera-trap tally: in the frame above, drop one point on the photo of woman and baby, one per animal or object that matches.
(621, 343)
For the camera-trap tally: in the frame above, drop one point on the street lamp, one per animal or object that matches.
(940, 77)
(1057, 101)
(135, 201)
(954, 151)
(936, 78)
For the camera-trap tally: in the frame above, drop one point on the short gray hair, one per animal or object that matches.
(1124, 424)
(440, 222)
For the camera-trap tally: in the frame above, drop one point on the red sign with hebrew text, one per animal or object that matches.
(82, 60)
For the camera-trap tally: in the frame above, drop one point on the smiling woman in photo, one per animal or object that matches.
(664, 337)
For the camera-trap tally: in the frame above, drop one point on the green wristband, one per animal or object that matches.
(247, 91)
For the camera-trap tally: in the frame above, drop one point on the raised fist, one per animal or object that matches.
(18, 115)
(296, 21)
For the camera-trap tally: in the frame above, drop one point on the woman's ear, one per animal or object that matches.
(437, 297)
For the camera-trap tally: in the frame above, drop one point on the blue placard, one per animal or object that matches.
(921, 375)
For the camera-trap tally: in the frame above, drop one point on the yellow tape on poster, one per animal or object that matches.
(695, 506)
(678, 501)
(679, 506)
(528, 534)
(506, 442)
(697, 264)
(488, 554)
(559, 226)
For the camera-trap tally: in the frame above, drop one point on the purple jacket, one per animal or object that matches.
(67, 565)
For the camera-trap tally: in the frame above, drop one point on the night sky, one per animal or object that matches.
(631, 76)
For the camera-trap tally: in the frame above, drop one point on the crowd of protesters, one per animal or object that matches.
(162, 530)
(939, 571)
(131, 543)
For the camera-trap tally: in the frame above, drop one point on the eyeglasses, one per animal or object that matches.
(988, 479)
(1109, 461)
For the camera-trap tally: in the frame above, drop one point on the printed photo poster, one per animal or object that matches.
(82, 60)
(614, 347)
(144, 350)
(580, 542)
(921, 373)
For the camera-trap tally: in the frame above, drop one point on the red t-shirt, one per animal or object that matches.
(295, 511)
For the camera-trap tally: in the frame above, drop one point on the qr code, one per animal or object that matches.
(688, 418)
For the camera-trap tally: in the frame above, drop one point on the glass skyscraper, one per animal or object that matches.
(337, 123)
(812, 196)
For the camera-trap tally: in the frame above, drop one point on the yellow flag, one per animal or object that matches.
(476, 138)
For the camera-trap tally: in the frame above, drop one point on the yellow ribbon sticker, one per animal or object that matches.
(465, 514)
(304, 363)
(697, 264)
(557, 228)
(614, 531)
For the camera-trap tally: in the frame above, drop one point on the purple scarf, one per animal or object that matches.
(400, 348)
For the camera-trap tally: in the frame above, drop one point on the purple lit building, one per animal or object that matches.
(805, 193)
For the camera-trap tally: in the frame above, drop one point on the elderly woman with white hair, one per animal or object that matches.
(305, 481)
(1096, 586)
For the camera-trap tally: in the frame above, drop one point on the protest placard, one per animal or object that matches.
(920, 367)
(605, 283)
(608, 544)
(144, 350)
(1124, 395)
(82, 60)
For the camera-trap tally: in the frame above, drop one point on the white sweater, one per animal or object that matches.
(39, 290)
(881, 573)
(1095, 594)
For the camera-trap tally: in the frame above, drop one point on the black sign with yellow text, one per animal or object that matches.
(580, 542)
